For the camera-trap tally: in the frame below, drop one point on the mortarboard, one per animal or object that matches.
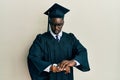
(56, 11)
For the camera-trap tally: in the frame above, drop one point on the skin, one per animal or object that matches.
(56, 27)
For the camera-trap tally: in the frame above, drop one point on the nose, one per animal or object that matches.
(56, 27)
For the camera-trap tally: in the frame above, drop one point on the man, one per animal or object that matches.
(53, 54)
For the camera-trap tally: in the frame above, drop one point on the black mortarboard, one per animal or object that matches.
(56, 11)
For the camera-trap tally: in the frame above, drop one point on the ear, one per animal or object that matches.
(63, 22)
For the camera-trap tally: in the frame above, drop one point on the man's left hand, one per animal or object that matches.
(67, 63)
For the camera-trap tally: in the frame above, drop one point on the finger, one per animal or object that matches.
(61, 69)
(58, 70)
(67, 70)
(64, 65)
(64, 61)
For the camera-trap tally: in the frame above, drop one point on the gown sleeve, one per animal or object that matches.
(80, 54)
(36, 62)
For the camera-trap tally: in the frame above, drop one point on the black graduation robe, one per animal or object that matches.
(46, 50)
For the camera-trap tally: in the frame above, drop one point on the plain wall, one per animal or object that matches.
(96, 23)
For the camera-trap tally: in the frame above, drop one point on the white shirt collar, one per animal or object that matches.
(54, 35)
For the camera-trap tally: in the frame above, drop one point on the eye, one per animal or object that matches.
(54, 24)
(60, 24)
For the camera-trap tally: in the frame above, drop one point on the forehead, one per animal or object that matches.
(57, 19)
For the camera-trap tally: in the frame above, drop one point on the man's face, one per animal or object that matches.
(56, 25)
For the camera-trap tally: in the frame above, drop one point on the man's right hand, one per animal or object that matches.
(53, 69)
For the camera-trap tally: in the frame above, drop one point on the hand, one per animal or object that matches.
(67, 63)
(58, 69)
(67, 70)
(55, 69)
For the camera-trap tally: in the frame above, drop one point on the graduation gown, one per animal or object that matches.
(46, 50)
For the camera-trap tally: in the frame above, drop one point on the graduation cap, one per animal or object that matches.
(56, 11)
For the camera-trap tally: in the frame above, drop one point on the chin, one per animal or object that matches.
(56, 33)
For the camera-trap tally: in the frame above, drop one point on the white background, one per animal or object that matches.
(96, 23)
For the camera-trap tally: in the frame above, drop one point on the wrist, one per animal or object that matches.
(74, 63)
(53, 68)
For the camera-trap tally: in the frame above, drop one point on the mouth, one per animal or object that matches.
(56, 31)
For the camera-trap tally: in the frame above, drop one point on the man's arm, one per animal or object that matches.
(35, 57)
(80, 53)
